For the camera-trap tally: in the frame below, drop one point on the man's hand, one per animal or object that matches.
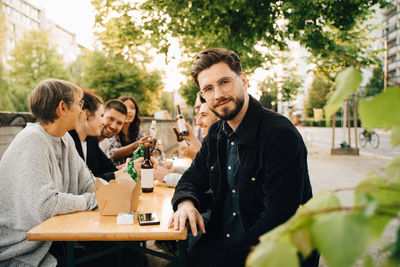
(194, 144)
(187, 211)
(145, 139)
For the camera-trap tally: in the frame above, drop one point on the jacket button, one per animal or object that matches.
(253, 179)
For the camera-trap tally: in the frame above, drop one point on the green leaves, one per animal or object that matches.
(393, 171)
(267, 254)
(378, 189)
(347, 82)
(382, 111)
(340, 237)
(34, 58)
(114, 76)
(341, 234)
(322, 201)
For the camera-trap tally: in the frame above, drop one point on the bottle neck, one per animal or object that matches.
(147, 154)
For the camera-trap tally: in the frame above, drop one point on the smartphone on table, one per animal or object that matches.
(148, 218)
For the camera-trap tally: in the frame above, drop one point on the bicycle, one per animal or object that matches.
(369, 136)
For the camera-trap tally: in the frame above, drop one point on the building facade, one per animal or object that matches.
(21, 16)
(391, 35)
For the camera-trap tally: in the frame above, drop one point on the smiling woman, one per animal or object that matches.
(88, 127)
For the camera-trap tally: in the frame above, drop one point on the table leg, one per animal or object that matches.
(182, 246)
(70, 254)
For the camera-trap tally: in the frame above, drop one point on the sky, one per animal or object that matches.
(76, 16)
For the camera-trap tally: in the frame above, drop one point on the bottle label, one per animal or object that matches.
(147, 178)
(182, 126)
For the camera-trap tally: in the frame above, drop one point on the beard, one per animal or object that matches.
(227, 114)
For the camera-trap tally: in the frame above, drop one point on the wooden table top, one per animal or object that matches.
(91, 226)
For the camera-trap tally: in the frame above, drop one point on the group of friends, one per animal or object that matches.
(249, 161)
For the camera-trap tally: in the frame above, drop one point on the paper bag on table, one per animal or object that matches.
(118, 196)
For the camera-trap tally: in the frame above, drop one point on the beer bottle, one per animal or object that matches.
(131, 170)
(181, 140)
(181, 122)
(138, 153)
(147, 172)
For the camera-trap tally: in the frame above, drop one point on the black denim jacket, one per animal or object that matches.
(272, 177)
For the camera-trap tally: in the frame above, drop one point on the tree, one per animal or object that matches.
(375, 84)
(34, 58)
(317, 94)
(113, 76)
(167, 102)
(242, 26)
(3, 33)
(354, 48)
(4, 92)
(283, 82)
(76, 69)
(189, 92)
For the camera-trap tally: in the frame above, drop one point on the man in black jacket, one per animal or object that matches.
(253, 160)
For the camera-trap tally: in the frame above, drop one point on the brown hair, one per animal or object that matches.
(116, 104)
(91, 102)
(209, 57)
(46, 96)
(134, 127)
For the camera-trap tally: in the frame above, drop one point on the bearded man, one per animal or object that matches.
(253, 160)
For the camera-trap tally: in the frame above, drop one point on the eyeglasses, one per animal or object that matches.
(225, 85)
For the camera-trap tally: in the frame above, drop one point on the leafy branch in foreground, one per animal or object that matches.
(342, 234)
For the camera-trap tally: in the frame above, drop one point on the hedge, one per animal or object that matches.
(322, 123)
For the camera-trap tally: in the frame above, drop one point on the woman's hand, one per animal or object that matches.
(161, 171)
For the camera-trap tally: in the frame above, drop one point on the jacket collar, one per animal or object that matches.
(247, 129)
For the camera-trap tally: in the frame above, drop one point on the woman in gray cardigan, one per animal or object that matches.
(42, 175)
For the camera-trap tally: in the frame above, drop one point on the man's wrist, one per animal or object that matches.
(185, 201)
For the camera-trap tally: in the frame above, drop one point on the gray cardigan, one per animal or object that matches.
(31, 192)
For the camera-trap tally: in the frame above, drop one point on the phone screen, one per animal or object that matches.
(148, 218)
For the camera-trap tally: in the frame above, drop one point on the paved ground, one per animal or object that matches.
(333, 172)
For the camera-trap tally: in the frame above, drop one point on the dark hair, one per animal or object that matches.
(202, 100)
(116, 104)
(209, 57)
(91, 102)
(46, 96)
(134, 127)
